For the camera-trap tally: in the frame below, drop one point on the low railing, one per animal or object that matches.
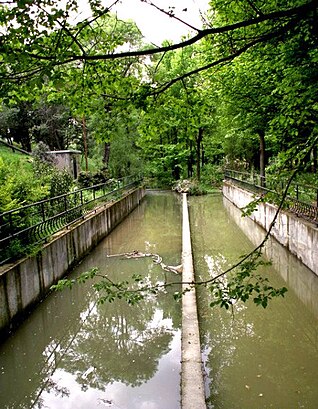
(301, 199)
(34, 223)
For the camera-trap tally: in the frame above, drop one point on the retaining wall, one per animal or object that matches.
(26, 282)
(296, 234)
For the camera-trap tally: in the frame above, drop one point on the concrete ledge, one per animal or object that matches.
(192, 385)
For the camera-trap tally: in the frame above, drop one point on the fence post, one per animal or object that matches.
(10, 223)
(43, 212)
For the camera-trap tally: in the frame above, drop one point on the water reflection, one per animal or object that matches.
(74, 353)
(258, 358)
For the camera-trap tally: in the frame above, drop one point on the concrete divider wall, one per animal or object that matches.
(192, 384)
(26, 282)
(296, 234)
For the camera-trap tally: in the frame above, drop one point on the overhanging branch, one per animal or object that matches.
(220, 61)
(295, 12)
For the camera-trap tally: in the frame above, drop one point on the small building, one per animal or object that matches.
(68, 159)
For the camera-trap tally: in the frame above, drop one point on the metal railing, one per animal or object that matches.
(34, 223)
(301, 199)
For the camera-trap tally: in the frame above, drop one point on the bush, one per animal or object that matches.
(17, 249)
(212, 175)
(43, 162)
(18, 187)
(192, 187)
(61, 182)
(88, 179)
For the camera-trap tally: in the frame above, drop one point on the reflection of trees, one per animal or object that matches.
(51, 387)
(270, 353)
(116, 341)
(99, 344)
(120, 346)
(258, 352)
(30, 356)
(113, 342)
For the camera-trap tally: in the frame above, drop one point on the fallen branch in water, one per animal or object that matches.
(156, 258)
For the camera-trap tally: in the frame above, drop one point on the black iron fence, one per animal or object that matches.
(32, 224)
(301, 199)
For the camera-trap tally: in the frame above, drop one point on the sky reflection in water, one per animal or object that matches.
(75, 353)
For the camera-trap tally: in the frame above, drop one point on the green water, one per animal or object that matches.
(259, 358)
(74, 353)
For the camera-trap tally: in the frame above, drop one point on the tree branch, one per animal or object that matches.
(298, 12)
(170, 14)
(228, 58)
(254, 7)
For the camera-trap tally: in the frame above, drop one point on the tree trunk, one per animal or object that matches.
(21, 135)
(14, 148)
(85, 142)
(198, 153)
(190, 161)
(314, 160)
(106, 154)
(202, 156)
(262, 157)
(9, 143)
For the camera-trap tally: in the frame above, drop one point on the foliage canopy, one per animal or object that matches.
(240, 91)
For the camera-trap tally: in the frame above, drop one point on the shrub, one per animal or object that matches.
(212, 175)
(61, 182)
(87, 179)
(192, 187)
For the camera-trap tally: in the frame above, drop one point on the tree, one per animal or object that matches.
(92, 89)
(54, 42)
(53, 126)
(177, 124)
(18, 187)
(16, 123)
(95, 65)
(38, 49)
(262, 95)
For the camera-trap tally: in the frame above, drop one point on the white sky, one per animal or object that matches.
(156, 26)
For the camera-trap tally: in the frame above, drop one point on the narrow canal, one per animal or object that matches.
(72, 353)
(258, 358)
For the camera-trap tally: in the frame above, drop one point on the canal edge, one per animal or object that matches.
(192, 384)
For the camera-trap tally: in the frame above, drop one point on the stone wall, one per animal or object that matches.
(296, 234)
(26, 282)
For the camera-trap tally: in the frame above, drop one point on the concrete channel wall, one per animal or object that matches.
(26, 282)
(296, 234)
